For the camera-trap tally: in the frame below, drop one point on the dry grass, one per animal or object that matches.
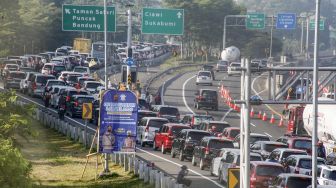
(59, 162)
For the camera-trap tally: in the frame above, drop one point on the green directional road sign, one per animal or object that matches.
(162, 21)
(312, 24)
(255, 21)
(87, 18)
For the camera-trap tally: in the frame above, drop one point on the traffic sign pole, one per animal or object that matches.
(129, 42)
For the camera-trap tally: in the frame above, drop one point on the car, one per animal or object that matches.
(146, 129)
(214, 127)
(230, 133)
(222, 66)
(169, 112)
(37, 84)
(164, 137)
(25, 82)
(143, 105)
(263, 173)
(69, 92)
(194, 120)
(280, 154)
(287, 180)
(63, 75)
(71, 78)
(301, 164)
(91, 86)
(264, 148)
(13, 79)
(81, 80)
(204, 77)
(145, 113)
(11, 67)
(209, 68)
(207, 98)
(55, 94)
(297, 142)
(231, 68)
(82, 69)
(326, 175)
(74, 107)
(228, 158)
(27, 69)
(254, 137)
(53, 68)
(208, 149)
(185, 142)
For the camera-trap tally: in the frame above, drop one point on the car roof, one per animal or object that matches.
(258, 135)
(12, 64)
(194, 130)
(81, 67)
(286, 175)
(16, 72)
(146, 111)
(84, 96)
(204, 71)
(176, 125)
(237, 151)
(232, 128)
(271, 142)
(208, 90)
(266, 163)
(92, 82)
(45, 75)
(219, 122)
(55, 80)
(290, 150)
(215, 138)
(304, 157)
(155, 118)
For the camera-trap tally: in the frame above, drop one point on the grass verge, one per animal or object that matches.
(59, 162)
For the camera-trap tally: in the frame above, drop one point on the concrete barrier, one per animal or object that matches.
(136, 166)
(141, 170)
(126, 165)
(146, 174)
(162, 180)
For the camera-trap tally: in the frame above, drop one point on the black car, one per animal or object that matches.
(209, 149)
(206, 98)
(169, 112)
(75, 106)
(185, 142)
(145, 113)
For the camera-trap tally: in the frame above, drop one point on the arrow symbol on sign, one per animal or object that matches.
(87, 110)
(67, 11)
(179, 14)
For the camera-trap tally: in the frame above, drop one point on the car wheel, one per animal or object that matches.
(163, 150)
(142, 143)
(172, 154)
(154, 146)
(201, 164)
(181, 157)
(193, 161)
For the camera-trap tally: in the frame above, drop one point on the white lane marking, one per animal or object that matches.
(261, 92)
(268, 134)
(226, 114)
(54, 111)
(177, 164)
(183, 94)
(250, 123)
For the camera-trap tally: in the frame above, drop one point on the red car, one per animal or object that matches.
(297, 142)
(263, 173)
(230, 133)
(164, 137)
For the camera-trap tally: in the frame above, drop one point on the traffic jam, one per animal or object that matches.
(62, 80)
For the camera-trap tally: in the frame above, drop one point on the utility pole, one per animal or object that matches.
(302, 27)
(129, 40)
(315, 93)
(271, 44)
(307, 37)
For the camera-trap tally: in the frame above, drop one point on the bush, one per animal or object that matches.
(14, 169)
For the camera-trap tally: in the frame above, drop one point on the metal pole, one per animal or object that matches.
(181, 49)
(242, 97)
(307, 87)
(302, 36)
(224, 33)
(85, 133)
(315, 93)
(269, 84)
(271, 45)
(106, 168)
(129, 39)
(247, 124)
(307, 38)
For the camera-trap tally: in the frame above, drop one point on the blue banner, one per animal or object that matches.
(286, 21)
(118, 119)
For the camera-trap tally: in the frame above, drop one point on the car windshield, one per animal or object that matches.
(307, 163)
(56, 89)
(54, 83)
(71, 93)
(18, 75)
(209, 93)
(219, 127)
(298, 182)
(156, 123)
(271, 147)
(258, 138)
(177, 129)
(288, 153)
(47, 67)
(43, 79)
(208, 74)
(218, 144)
(145, 114)
(197, 135)
(235, 65)
(80, 69)
(73, 78)
(223, 62)
(93, 85)
(234, 133)
(200, 119)
(269, 170)
(303, 144)
(12, 66)
(59, 68)
(329, 174)
(169, 111)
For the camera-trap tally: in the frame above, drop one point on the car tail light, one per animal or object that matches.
(200, 97)
(253, 179)
(67, 99)
(76, 103)
(207, 150)
(147, 129)
(296, 170)
(34, 85)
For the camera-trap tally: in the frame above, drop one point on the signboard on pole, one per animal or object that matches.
(162, 21)
(255, 21)
(87, 111)
(87, 18)
(312, 24)
(233, 178)
(286, 21)
(118, 119)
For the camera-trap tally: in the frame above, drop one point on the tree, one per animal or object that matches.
(259, 46)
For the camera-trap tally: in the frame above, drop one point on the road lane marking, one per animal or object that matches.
(226, 114)
(183, 94)
(179, 165)
(268, 134)
(250, 122)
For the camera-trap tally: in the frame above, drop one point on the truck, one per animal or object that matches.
(231, 54)
(300, 122)
(82, 45)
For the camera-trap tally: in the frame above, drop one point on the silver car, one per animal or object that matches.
(55, 94)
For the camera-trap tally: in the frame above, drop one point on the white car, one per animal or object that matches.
(204, 77)
(231, 68)
(81, 69)
(91, 86)
(326, 175)
(147, 127)
(55, 94)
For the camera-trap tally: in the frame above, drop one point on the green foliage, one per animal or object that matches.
(259, 46)
(14, 169)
